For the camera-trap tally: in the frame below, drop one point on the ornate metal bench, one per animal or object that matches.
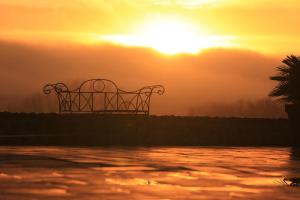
(103, 96)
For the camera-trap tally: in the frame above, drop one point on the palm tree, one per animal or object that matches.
(288, 89)
(288, 76)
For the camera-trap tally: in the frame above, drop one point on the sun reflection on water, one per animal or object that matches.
(146, 173)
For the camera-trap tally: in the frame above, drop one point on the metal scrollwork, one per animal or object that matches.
(103, 96)
(57, 87)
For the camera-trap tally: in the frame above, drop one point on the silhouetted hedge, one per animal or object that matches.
(106, 130)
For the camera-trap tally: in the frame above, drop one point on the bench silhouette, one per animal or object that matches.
(103, 96)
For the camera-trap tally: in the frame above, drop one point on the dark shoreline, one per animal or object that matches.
(106, 130)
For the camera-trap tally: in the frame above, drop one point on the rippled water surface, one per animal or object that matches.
(147, 173)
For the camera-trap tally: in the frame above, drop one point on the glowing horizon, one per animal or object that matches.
(170, 37)
(169, 27)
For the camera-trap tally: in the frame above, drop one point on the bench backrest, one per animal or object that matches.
(103, 96)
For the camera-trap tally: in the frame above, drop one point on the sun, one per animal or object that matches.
(169, 36)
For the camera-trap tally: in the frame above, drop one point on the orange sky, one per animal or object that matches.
(230, 47)
(266, 26)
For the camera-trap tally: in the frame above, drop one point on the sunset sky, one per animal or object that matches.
(218, 40)
(268, 26)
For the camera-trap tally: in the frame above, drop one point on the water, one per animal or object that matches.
(147, 173)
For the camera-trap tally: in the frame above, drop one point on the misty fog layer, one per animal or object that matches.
(193, 82)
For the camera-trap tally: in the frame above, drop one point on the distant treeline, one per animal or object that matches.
(261, 108)
(107, 130)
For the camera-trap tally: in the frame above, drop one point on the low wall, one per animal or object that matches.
(106, 130)
(294, 120)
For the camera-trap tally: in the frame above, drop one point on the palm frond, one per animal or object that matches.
(292, 61)
(288, 77)
(279, 78)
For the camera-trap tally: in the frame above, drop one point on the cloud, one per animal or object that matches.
(263, 26)
(216, 75)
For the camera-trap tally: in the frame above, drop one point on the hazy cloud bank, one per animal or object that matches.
(216, 76)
